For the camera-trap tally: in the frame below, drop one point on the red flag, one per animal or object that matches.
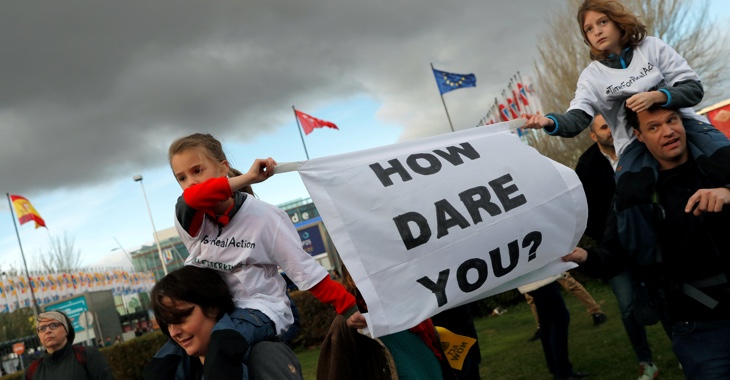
(309, 122)
(523, 94)
(25, 211)
(719, 115)
(514, 98)
(512, 108)
(503, 112)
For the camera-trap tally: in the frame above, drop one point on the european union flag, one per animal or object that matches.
(450, 81)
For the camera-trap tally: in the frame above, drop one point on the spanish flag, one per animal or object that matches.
(25, 211)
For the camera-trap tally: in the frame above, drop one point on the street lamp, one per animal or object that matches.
(138, 178)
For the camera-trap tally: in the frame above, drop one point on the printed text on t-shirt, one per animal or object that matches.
(611, 89)
(232, 242)
(219, 265)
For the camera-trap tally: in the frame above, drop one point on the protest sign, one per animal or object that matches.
(431, 224)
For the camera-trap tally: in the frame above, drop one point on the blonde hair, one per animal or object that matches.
(211, 148)
(632, 30)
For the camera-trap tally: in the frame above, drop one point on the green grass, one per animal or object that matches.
(603, 351)
(308, 358)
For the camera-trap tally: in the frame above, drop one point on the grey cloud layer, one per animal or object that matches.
(89, 87)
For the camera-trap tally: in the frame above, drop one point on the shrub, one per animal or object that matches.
(129, 359)
(315, 319)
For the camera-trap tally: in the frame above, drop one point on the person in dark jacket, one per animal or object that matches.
(60, 361)
(669, 225)
(459, 320)
(595, 169)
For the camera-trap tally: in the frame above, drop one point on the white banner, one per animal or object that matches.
(431, 224)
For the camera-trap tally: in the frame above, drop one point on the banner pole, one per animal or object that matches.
(444, 103)
(36, 308)
(299, 128)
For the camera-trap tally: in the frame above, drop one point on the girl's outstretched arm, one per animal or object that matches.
(261, 170)
(568, 124)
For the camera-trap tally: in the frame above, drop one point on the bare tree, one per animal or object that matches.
(683, 24)
(62, 256)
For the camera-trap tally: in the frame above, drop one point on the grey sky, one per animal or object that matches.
(90, 88)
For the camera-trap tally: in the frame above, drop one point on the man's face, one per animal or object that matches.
(663, 134)
(52, 334)
(600, 132)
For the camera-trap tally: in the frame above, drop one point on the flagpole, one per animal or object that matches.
(36, 309)
(299, 128)
(444, 103)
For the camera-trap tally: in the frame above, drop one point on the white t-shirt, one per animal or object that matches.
(248, 250)
(604, 90)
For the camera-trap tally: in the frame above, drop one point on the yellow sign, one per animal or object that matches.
(455, 346)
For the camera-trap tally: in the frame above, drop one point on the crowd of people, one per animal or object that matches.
(657, 181)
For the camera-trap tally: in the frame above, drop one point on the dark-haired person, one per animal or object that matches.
(63, 360)
(193, 304)
(669, 224)
(415, 353)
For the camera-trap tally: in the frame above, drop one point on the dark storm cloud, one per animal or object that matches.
(89, 88)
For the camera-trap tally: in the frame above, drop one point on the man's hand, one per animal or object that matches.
(356, 321)
(708, 200)
(578, 256)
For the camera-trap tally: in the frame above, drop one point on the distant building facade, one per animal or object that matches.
(315, 239)
(174, 254)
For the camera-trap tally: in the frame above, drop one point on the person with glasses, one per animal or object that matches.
(63, 360)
